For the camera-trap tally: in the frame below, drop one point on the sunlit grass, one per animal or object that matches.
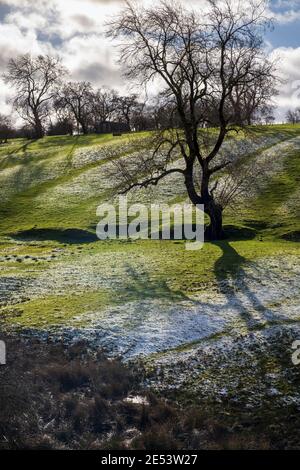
(37, 174)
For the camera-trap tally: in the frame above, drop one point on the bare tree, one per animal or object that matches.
(103, 107)
(62, 120)
(128, 107)
(202, 62)
(6, 128)
(252, 101)
(35, 81)
(293, 117)
(77, 98)
(265, 115)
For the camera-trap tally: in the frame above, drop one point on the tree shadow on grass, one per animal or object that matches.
(68, 236)
(141, 286)
(6, 160)
(239, 287)
(234, 281)
(23, 147)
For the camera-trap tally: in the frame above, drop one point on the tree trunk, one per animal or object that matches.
(127, 118)
(215, 230)
(215, 212)
(39, 131)
(84, 127)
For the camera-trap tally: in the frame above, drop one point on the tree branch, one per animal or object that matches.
(153, 181)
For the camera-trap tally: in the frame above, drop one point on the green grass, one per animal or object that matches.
(275, 212)
(17, 149)
(35, 170)
(53, 156)
(55, 309)
(25, 208)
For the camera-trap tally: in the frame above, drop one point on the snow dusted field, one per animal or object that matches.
(261, 295)
(140, 307)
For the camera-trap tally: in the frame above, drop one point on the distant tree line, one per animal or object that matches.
(49, 104)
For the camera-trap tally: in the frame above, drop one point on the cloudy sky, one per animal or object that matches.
(74, 29)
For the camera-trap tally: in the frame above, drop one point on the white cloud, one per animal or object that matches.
(13, 42)
(29, 22)
(286, 17)
(91, 58)
(289, 71)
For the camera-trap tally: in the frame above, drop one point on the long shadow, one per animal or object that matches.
(23, 147)
(71, 152)
(232, 279)
(140, 286)
(22, 180)
(6, 160)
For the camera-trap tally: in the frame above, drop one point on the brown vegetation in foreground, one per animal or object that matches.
(58, 397)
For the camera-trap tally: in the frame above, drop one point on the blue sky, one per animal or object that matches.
(74, 29)
(285, 35)
(287, 27)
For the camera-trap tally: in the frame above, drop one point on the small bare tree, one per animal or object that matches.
(6, 128)
(61, 121)
(77, 98)
(35, 81)
(127, 108)
(293, 116)
(103, 107)
(251, 102)
(206, 62)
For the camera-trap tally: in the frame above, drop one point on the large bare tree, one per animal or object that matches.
(35, 81)
(204, 62)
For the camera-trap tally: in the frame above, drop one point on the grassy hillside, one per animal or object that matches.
(53, 269)
(35, 175)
